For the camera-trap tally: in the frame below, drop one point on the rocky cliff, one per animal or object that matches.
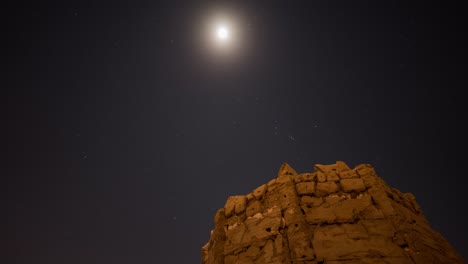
(334, 215)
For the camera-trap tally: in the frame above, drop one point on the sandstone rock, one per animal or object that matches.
(235, 204)
(271, 183)
(365, 169)
(341, 166)
(285, 169)
(355, 231)
(254, 208)
(229, 206)
(350, 210)
(331, 242)
(321, 176)
(309, 200)
(371, 212)
(352, 185)
(333, 199)
(318, 215)
(325, 168)
(322, 218)
(304, 188)
(305, 177)
(324, 188)
(249, 197)
(260, 191)
(240, 205)
(333, 176)
(380, 227)
(348, 174)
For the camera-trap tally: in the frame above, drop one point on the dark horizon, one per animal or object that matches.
(126, 129)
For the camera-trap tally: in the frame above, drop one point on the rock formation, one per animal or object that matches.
(334, 215)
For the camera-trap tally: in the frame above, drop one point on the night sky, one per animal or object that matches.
(127, 126)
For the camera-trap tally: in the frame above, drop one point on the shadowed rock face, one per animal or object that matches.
(334, 215)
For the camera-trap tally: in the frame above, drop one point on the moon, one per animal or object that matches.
(222, 33)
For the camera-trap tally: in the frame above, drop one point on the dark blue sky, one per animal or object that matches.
(126, 131)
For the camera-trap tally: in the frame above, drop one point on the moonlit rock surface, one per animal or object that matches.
(334, 215)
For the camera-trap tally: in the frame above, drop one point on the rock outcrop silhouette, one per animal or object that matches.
(334, 215)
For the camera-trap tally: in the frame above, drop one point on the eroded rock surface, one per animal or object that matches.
(334, 215)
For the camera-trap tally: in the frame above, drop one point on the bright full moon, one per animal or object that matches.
(222, 33)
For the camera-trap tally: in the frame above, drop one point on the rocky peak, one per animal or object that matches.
(334, 215)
